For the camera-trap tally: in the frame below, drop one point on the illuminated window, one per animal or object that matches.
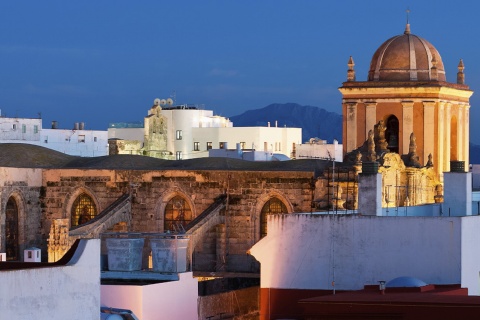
(83, 210)
(196, 146)
(273, 206)
(178, 155)
(179, 135)
(209, 145)
(177, 214)
(242, 145)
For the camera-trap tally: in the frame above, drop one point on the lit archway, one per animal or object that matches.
(272, 206)
(453, 139)
(12, 230)
(391, 133)
(83, 210)
(177, 214)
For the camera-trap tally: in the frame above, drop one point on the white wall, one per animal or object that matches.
(64, 292)
(126, 133)
(13, 129)
(470, 255)
(168, 300)
(320, 151)
(84, 143)
(278, 140)
(302, 250)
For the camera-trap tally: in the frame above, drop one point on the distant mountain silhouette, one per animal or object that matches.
(314, 121)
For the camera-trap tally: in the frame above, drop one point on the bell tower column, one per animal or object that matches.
(466, 135)
(428, 129)
(447, 137)
(370, 116)
(439, 158)
(407, 126)
(351, 129)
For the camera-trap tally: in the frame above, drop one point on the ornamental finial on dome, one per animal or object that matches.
(460, 74)
(351, 71)
(407, 27)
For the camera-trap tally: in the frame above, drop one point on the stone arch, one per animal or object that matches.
(70, 201)
(13, 222)
(260, 205)
(161, 206)
(454, 139)
(392, 133)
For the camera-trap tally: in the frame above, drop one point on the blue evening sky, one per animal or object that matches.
(106, 61)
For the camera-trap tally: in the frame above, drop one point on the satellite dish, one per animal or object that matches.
(169, 101)
(163, 102)
(156, 102)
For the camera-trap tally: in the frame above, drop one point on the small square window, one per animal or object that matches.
(81, 138)
(209, 145)
(196, 146)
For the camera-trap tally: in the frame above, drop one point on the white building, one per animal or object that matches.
(76, 141)
(319, 149)
(436, 243)
(192, 132)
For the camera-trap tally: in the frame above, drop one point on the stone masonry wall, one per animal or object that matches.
(247, 192)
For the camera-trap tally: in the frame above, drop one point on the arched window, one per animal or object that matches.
(272, 206)
(453, 139)
(177, 214)
(391, 134)
(11, 230)
(83, 210)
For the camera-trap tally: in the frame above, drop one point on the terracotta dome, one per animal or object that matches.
(406, 57)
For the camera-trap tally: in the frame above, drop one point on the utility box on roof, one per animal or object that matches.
(169, 253)
(32, 255)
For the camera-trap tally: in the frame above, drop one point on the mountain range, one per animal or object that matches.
(314, 121)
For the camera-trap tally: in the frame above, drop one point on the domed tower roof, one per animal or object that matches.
(406, 57)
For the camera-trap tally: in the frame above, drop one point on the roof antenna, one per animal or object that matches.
(407, 27)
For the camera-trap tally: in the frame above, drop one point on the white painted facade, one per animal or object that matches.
(76, 142)
(319, 149)
(63, 292)
(304, 251)
(126, 133)
(167, 300)
(191, 133)
(264, 139)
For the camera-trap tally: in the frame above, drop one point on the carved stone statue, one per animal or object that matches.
(372, 156)
(429, 162)
(380, 134)
(412, 154)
